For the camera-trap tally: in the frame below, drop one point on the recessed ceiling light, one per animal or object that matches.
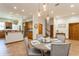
(51, 12)
(73, 13)
(23, 10)
(14, 7)
(72, 6)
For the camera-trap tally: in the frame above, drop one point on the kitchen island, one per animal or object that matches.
(11, 35)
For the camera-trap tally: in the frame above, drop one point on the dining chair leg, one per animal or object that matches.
(45, 52)
(42, 52)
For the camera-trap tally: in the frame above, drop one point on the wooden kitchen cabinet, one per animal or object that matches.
(28, 30)
(2, 34)
(30, 36)
(8, 25)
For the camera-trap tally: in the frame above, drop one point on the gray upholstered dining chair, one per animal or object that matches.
(31, 51)
(61, 37)
(60, 49)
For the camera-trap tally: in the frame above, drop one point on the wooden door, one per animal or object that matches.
(74, 31)
(51, 31)
(40, 28)
(28, 30)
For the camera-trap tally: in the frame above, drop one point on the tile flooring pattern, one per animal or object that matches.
(18, 48)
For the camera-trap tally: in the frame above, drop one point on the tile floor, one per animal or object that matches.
(18, 48)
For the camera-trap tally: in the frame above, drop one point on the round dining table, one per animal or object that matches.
(42, 46)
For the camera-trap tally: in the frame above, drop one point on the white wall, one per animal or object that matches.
(65, 22)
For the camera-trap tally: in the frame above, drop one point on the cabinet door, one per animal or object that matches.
(2, 34)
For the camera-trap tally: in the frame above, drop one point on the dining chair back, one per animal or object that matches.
(61, 49)
(61, 37)
(31, 51)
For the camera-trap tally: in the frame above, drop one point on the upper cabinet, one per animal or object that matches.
(8, 25)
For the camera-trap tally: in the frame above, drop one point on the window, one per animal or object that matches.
(2, 25)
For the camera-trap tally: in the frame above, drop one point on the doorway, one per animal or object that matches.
(51, 31)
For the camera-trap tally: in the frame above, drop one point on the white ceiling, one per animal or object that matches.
(63, 9)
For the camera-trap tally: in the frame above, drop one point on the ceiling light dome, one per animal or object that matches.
(72, 6)
(23, 10)
(15, 7)
(44, 7)
(39, 14)
(73, 13)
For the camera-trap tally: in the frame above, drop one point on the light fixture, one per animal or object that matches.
(39, 14)
(73, 13)
(47, 18)
(23, 10)
(15, 7)
(51, 12)
(72, 5)
(44, 7)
